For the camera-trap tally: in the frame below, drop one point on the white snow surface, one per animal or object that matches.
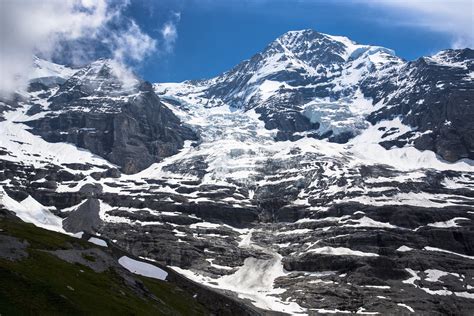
(450, 223)
(31, 211)
(234, 156)
(142, 268)
(341, 251)
(404, 249)
(46, 69)
(98, 241)
(254, 280)
(406, 306)
(366, 148)
(433, 275)
(428, 248)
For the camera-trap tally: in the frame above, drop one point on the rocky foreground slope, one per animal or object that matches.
(45, 272)
(319, 176)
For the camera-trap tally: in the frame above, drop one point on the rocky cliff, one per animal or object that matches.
(111, 113)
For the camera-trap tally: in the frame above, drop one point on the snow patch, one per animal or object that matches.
(341, 251)
(407, 307)
(98, 241)
(449, 252)
(31, 211)
(142, 268)
(404, 249)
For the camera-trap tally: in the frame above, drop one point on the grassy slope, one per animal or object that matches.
(44, 284)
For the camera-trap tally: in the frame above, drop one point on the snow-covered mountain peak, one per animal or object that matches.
(309, 46)
(95, 74)
(101, 78)
(310, 84)
(47, 72)
(297, 57)
(108, 70)
(298, 68)
(318, 48)
(461, 58)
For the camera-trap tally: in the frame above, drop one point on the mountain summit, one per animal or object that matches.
(307, 83)
(319, 49)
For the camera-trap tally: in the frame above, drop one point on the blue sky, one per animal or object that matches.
(213, 36)
(175, 40)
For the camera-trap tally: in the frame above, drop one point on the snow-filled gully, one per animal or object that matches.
(254, 280)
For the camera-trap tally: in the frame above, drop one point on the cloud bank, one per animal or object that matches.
(452, 17)
(50, 27)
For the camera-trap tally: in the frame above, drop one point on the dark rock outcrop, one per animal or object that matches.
(129, 127)
(85, 218)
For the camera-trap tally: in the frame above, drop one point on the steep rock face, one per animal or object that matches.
(120, 119)
(436, 96)
(85, 218)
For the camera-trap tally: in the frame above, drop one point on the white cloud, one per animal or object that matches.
(169, 32)
(132, 43)
(43, 27)
(453, 17)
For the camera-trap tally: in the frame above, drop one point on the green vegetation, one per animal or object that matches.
(43, 284)
(37, 237)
